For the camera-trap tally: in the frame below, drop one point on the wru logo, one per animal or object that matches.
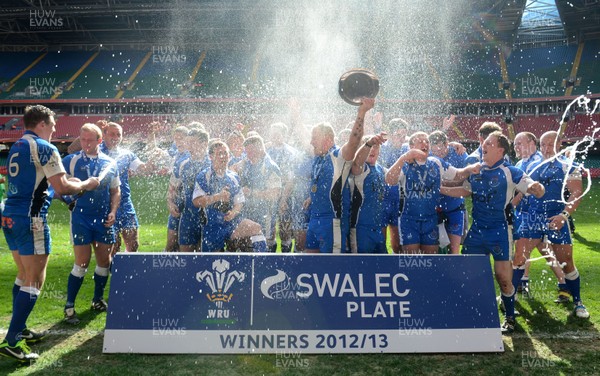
(220, 280)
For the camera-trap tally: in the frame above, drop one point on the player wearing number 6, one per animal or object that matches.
(34, 173)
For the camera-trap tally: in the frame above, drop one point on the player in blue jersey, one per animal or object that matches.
(260, 179)
(484, 131)
(453, 209)
(296, 198)
(525, 145)
(190, 228)
(391, 150)
(35, 172)
(174, 198)
(285, 157)
(329, 224)
(126, 224)
(235, 142)
(548, 215)
(492, 190)
(368, 198)
(92, 218)
(420, 178)
(177, 147)
(218, 192)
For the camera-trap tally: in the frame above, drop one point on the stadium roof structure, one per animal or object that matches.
(125, 24)
(34, 25)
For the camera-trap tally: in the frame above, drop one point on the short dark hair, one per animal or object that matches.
(438, 137)
(196, 125)
(236, 134)
(397, 123)
(530, 136)
(199, 134)
(254, 140)
(217, 144)
(35, 114)
(488, 128)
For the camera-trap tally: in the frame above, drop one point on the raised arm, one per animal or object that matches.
(393, 174)
(351, 146)
(364, 151)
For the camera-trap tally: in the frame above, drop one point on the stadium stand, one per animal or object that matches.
(538, 72)
(166, 73)
(588, 69)
(104, 75)
(479, 75)
(48, 76)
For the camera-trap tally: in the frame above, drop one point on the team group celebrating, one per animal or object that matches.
(335, 195)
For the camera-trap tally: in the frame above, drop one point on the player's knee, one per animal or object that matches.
(252, 228)
(503, 278)
(101, 271)
(519, 260)
(79, 271)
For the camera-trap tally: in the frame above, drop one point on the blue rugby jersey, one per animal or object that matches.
(189, 170)
(126, 160)
(526, 165)
(260, 176)
(31, 160)
(421, 186)
(330, 191)
(492, 191)
(388, 155)
(175, 178)
(552, 175)
(474, 157)
(284, 157)
(82, 166)
(456, 160)
(369, 196)
(208, 183)
(301, 176)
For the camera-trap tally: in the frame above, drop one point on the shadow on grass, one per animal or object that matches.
(539, 319)
(559, 337)
(59, 337)
(594, 246)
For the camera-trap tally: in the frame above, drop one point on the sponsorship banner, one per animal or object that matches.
(268, 303)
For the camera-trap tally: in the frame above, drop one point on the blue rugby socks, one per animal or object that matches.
(100, 280)
(259, 243)
(23, 305)
(573, 282)
(74, 284)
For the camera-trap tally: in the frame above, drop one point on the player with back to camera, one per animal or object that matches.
(35, 172)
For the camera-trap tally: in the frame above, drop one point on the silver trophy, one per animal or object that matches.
(358, 83)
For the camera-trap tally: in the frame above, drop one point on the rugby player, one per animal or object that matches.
(34, 173)
(492, 190)
(548, 215)
(92, 218)
(218, 192)
(329, 224)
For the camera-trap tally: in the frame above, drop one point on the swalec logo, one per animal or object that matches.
(281, 287)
